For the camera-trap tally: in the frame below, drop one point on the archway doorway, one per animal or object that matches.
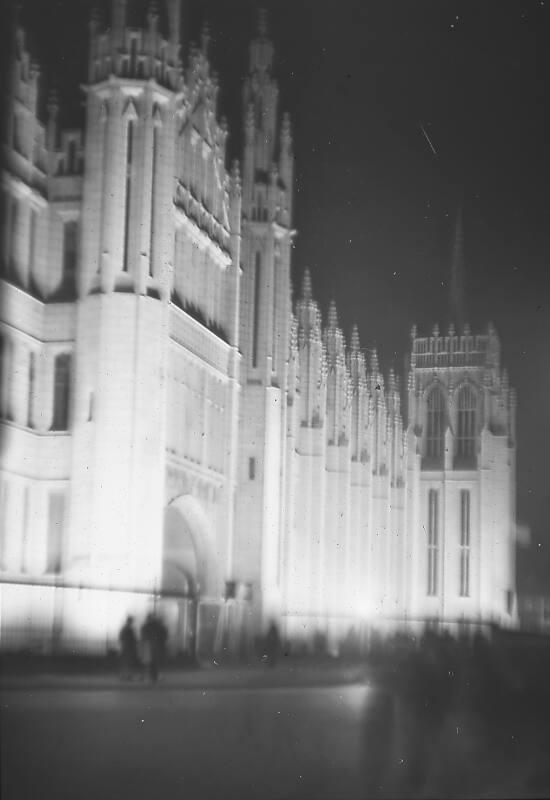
(188, 570)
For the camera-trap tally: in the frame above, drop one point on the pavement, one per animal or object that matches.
(207, 675)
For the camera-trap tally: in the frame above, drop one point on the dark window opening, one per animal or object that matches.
(61, 394)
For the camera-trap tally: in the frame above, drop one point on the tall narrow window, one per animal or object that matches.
(56, 521)
(464, 543)
(153, 193)
(257, 289)
(274, 328)
(61, 393)
(3, 521)
(25, 522)
(32, 389)
(128, 198)
(435, 428)
(433, 540)
(70, 254)
(32, 239)
(13, 238)
(71, 157)
(466, 423)
(251, 468)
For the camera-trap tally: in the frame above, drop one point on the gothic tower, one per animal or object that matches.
(461, 514)
(134, 77)
(265, 322)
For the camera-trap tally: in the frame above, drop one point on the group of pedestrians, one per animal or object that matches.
(143, 656)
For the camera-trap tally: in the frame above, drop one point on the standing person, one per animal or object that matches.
(128, 650)
(153, 637)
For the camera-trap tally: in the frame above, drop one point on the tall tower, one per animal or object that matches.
(265, 323)
(461, 522)
(134, 78)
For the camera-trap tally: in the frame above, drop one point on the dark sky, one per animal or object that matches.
(374, 207)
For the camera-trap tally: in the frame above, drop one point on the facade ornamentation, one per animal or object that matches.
(174, 428)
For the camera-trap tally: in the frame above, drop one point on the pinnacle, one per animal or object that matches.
(306, 285)
(332, 315)
(354, 342)
(262, 22)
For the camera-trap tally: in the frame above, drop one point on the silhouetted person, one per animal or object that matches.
(272, 644)
(128, 650)
(153, 637)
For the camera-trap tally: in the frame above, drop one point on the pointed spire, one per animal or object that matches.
(174, 21)
(306, 286)
(53, 111)
(205, 39)
(261, 49)
(457, 270)
(93, 23)
(286, 129)
(332, 316)
(118, 16)
(354, 342)
(235, 177)
(373, 361)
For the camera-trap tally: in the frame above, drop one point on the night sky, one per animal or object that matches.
(374, 206)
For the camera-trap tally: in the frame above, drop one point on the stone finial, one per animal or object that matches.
(466, 329)
(286, 128)
(306, 285)
(205, 39)
(53, 104)
(451, 329)
(354, 342)
(435, 331)
(94, 19)
(236, 174)
(332, 315)
(262, 23)
(414, 332)
(118, 16)
(152, 11)
(373, 360)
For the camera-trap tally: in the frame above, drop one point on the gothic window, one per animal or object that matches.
(32, 388)
(154, 156)
(257, 288)
(433, 541)
(10, 223)
(70, 253)
(464, 543)
(251, 468)
(25, 518)
(466, 423)
(61, 392)
(6, 368)
(3, 521)
(129, 157)
(56, 520)
(435, 425)
(32, 238)
(71, 157)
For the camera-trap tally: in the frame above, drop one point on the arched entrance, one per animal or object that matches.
(189, 570)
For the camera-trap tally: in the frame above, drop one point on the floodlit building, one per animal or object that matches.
(176, 431)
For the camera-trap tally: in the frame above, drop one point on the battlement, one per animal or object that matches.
(453, 350)
(138, 53)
